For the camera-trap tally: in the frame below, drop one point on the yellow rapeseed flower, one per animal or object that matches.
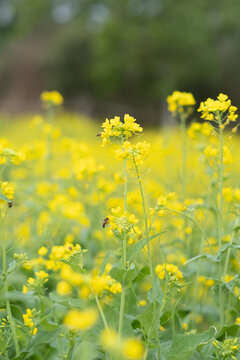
(80, 319)
(179, 101)
(133, 349)
(212, 110)
(7, 189)
(171, 269)
(51, 98)
(28, 321)
(42, 251)
(42, 274)
(63, 288)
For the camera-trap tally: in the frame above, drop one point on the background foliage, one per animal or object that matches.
(129, 52)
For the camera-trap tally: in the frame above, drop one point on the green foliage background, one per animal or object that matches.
(130, 51)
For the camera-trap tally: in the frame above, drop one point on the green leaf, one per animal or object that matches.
(125, 277)
(46, 337)
(47, 324)
(146, 319)
(142, 273)
(16, 311)
(227, 331)
(75, 267)
(213, 258)
(66, 300)
(157, 290)
(185, 344)
(236, 228)
(204, 256)
(165, 317)
(230, 246)
(112, 316)
(11, 267)
(84, 351)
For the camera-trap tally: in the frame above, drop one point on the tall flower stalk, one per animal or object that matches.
(137, 154)
(114, 129)
(220, 218)
(220, 112)
(124, 252)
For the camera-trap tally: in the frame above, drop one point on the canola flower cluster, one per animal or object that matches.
(180, 101)
(169, 269)
(214, 110)
(115, 128)
(51, 98)
(119, 223)
(118, 260)
(28, 321)
(138, 152)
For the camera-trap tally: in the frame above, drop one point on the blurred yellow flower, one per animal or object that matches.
(80, 319)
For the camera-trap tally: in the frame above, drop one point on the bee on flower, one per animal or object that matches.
(120, 223)
(6, 194)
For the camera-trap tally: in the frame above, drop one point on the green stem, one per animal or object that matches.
(220, 220)
(124, 253)
(145, 353)
(4, 271)
(155, 322)
(70, 350)
(227, 257)
(184, 153)
(101, 313)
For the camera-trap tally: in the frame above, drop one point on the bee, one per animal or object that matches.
(10, 204)
(99, 134)
(105, 222)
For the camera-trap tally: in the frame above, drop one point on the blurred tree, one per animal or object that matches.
(133, 51)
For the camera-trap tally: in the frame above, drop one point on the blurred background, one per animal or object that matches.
(111, 57)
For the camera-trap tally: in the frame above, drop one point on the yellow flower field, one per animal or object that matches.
(119, 242)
